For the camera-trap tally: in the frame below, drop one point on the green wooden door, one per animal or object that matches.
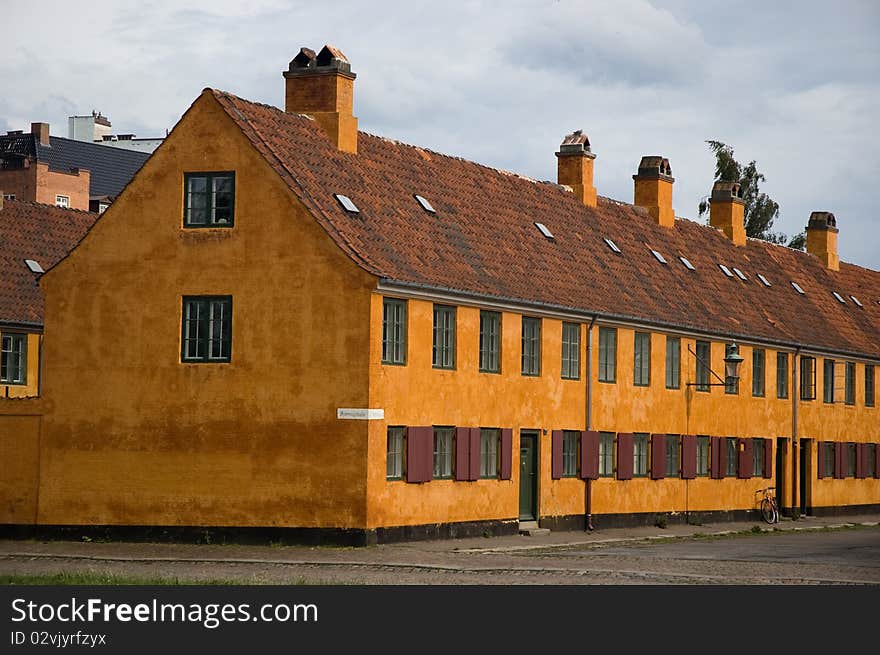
(528, 477)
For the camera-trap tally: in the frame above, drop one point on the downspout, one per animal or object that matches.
(795, 512)
(588, 391)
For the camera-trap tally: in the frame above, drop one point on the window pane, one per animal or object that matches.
(394, 465)
(489, 438)
(490, 341)
(393, 331)
(442, 453)
(757, 372)
(850, 388)
(703, 364)
(673, 455)
(640, 454)
(222, 199)
(531, 346)
(732, 457)
(869, 385)
(444, 337)
(197, 200)
(570, 441)
(606, 454)
(571, 348)
(642, 359)
(782, 375)
(673, 362)
(702, 455)
(607, 354)
(829, 459)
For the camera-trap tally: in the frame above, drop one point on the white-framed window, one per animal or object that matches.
(62, 201)
(395, 454)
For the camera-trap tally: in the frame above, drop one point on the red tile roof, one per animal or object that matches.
(482, 240)
(44, 233)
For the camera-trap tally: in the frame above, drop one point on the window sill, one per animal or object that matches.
(384, 363)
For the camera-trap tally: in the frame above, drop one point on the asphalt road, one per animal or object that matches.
(843, 556)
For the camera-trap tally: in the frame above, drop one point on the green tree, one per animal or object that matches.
(760, 209)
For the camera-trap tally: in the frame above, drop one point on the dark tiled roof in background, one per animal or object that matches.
(44, 233)
(483, 240)
(110, 168)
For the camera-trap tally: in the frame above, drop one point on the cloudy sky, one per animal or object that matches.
(794, 86)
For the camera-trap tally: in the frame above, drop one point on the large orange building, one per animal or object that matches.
(286, 323)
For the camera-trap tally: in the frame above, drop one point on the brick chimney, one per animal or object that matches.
(653, 189)
(574, 167)
(727, 211)
(322, 86)
(822, 239)
(41, 131)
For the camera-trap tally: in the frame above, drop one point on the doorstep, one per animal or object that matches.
(532, 529)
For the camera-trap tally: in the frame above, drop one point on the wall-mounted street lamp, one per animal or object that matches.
(732, 360)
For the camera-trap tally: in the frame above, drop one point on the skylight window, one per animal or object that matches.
(839, 297)
(687, 264)
(34, 266)
(726, 270)
(658, 256)
(797, 287)
(612, 245)
(347, 204)
(544, 230)
(740, 274)
(856, 301)
(764, 280)
(425, 204)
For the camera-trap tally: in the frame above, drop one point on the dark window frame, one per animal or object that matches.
(830, 459)
(851, 453)
(394, 331)
(531, 346)
(673, 362)
(673, 455)
(807, 377)
(490, 452)
(641, 454)
(208, 339)
(395, 460)
(607, 355)
(849, 393)
(443, 458)
(210, 199)
(703, 351)
(782, 375)
(570, 453)
(758, 463)
(444, 337)
(731, 457)
(571, 351)
(490, 342)
(606, 454)
(870, 385)
(759, 364)
(828, 364)
(641, 359)
(703, 456)
(19, 354)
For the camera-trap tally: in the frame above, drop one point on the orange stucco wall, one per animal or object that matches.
(417, 394)
(133, 436)
(19, 452)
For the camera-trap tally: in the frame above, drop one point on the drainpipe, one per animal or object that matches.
(795, 512)
(588, 390)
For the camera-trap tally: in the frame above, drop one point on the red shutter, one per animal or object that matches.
(688, 456)
(474, 454)
(419, 454)
(624, 456)
(556, 455)
(861, 456)
(590, 455)
(746, 462)
(877, 460)
(462, 453)
(716, 457)
(768, 458)
(658, 456)
(839, 454)
(820, 460)
(506, 452)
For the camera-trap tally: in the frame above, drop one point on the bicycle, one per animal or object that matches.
(769, 508)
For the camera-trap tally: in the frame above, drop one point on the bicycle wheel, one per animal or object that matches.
(767, 512)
